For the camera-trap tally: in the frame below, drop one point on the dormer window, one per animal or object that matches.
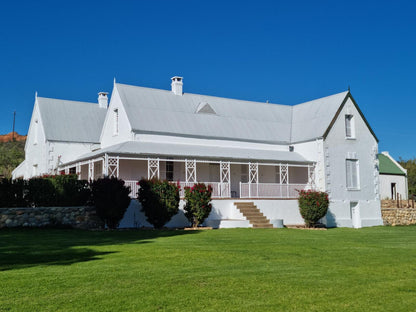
(115, 121)
(349, 127)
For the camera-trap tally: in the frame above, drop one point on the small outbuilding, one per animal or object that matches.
(393, 178)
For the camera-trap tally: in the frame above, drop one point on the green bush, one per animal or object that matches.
(159, 200)
(198, 206)
(41, 192)
(57, 191)
(12, 193)
(313, 205)
(111, 200)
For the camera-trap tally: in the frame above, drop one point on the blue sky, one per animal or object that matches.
(286, 52)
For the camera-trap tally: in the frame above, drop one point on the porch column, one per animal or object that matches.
(190, 171)
(66, 170)
(113, 164)
(91, 170)
(284, 179)
(105, 165)
(225, 186)
(78, 170)
(253, 177)
(153, 168)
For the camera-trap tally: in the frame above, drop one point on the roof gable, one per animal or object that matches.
(71, 121)
(349, 96)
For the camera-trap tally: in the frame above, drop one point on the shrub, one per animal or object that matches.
(58, 191)
(313, 205)
(111, 200)
(12, 193)
(198, 206)
(159, 200)
(41, 192)
(70, 191)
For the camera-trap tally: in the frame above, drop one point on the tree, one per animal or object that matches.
(410, 166)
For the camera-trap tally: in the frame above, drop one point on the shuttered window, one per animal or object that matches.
(352, 174)
(349, 126)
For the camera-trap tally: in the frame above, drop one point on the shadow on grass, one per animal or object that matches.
(23, 248)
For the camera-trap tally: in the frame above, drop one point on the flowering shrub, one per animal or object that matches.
(111, 200)
(313, 206)
(198, 206)
(159, 200)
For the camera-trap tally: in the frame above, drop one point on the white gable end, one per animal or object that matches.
(116, 127)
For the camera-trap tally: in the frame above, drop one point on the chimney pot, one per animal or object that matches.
(103, 99)
(177, 85)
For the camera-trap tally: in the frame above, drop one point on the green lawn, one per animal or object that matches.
(372, 269)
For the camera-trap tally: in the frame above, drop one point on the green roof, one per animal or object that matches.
(387, 166)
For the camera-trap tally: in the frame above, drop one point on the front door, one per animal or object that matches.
(355, 215)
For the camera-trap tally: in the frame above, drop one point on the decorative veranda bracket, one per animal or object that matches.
(311, 176)
(190, 170)
(113, 166)
(253, 172)
(153, 168)
(284, 174)
(225, 172)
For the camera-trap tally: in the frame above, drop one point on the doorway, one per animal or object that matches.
(355, 215)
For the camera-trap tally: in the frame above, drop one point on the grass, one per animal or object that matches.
(371, 269)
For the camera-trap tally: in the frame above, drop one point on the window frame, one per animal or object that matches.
(349, 127)
(349, 174)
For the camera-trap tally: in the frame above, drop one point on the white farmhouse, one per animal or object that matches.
(255, 155)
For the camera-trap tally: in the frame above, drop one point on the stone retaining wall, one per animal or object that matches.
(398, 216)
(77, 217)
(392, 203)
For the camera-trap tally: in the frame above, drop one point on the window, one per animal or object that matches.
(352, 174)
(349, 127)
(115, 120)
(72, 170)
(35, 140)
(169, 170)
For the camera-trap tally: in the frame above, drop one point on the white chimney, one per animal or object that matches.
(177, 85)
(103, 99)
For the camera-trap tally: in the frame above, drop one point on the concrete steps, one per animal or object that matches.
(253, 215)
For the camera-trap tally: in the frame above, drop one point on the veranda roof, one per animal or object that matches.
(163, 150)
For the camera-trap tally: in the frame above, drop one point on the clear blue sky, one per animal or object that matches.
(286, 52)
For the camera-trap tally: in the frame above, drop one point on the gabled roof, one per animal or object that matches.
(71, 121)
(161, 111)
(388, 165)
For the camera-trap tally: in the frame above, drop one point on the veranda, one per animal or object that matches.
(229, 179)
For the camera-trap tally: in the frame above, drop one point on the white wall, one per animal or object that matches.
(385, 185)
(222, 210)
(337, 148)
(108, 137)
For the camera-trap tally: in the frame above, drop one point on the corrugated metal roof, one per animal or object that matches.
(387, 166)
(71, 121)
(161, 111)
(145, 149)
(311, 119)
